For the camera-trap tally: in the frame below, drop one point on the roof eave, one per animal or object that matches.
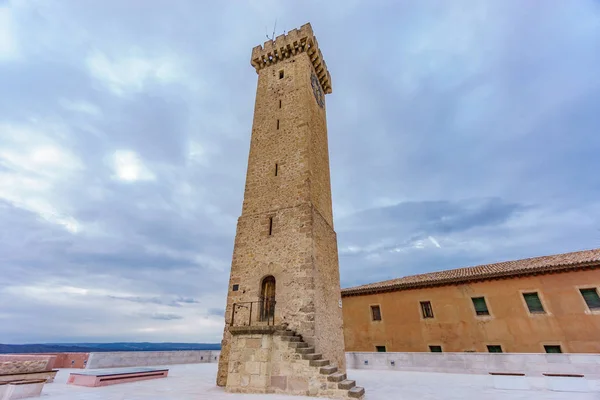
(449, 281)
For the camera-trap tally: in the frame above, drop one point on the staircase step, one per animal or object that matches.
(356, 392)
(291, 338)
(285, 333)
(346, 384)
(313, 356)
(336, 377)
(318, 363)
(298, 345)
(328, 370)
(305, 350)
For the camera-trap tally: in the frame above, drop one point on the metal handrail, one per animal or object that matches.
(260, 312)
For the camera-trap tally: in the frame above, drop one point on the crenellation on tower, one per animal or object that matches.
(285, 46)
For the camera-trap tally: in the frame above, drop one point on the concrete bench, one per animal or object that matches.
(509, 380)
(21, 389)
(566, 382)
(114, 376)
(507, 373)
(47, 375)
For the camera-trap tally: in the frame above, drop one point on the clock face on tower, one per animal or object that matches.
(318, 92)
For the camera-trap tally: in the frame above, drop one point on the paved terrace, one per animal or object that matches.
(196, 382)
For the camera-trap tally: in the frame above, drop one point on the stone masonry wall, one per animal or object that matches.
(329, 330)
(264, 363)
(249, 363)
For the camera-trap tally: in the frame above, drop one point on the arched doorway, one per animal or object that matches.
(267, 298)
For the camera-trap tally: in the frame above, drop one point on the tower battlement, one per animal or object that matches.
(284, 46)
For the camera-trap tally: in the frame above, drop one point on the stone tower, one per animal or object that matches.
(284, 287)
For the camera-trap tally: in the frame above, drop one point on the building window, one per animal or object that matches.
(426, 309)
(270, 226)
(375, 313)
(279, 103)
(276, 169)
(534, 304)
(380, 349)
(281, 74)
(435, 349)
(480, 306)
(235, 287)
(591, 298)
(494, 348)
(277, 124)
(552, 349)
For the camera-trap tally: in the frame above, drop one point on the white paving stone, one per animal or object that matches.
(197, 382)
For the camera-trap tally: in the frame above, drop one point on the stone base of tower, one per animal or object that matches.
(276, 360)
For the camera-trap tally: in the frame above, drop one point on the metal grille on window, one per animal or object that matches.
(426, 309)
(376, 313)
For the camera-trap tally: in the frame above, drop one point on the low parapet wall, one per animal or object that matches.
(479, 363)
(151, 358)
(70, 360)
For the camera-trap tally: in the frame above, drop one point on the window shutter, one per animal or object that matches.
(375, 313)
(480, 306)
(591, 298)
(533, 302)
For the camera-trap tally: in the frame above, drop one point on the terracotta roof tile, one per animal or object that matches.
(504, 269)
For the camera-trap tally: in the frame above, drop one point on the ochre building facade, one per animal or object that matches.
(544, 304)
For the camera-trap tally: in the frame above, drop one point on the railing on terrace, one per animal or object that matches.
(253, 313)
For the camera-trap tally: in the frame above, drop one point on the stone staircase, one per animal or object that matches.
(334, 384)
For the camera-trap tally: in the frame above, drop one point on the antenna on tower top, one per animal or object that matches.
(272, 36)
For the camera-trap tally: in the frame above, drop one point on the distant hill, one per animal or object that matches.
(98, 347)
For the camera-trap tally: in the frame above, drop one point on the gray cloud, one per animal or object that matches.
(217, 312)
(460, 134)
(166, 317)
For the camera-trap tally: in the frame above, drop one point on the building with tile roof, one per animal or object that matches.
(539, 304)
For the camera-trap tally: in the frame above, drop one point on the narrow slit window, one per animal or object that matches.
(281, 74)
(480, 306)
(591, 298)
(375, 313)
(279, 103)
(270, 226)
(494, 348)
(426, 309)
(277, 124)
(276, 169)
(435, 349)
(380, 349)
(534, 304)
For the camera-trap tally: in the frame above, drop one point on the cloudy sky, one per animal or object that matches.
(461, 133)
